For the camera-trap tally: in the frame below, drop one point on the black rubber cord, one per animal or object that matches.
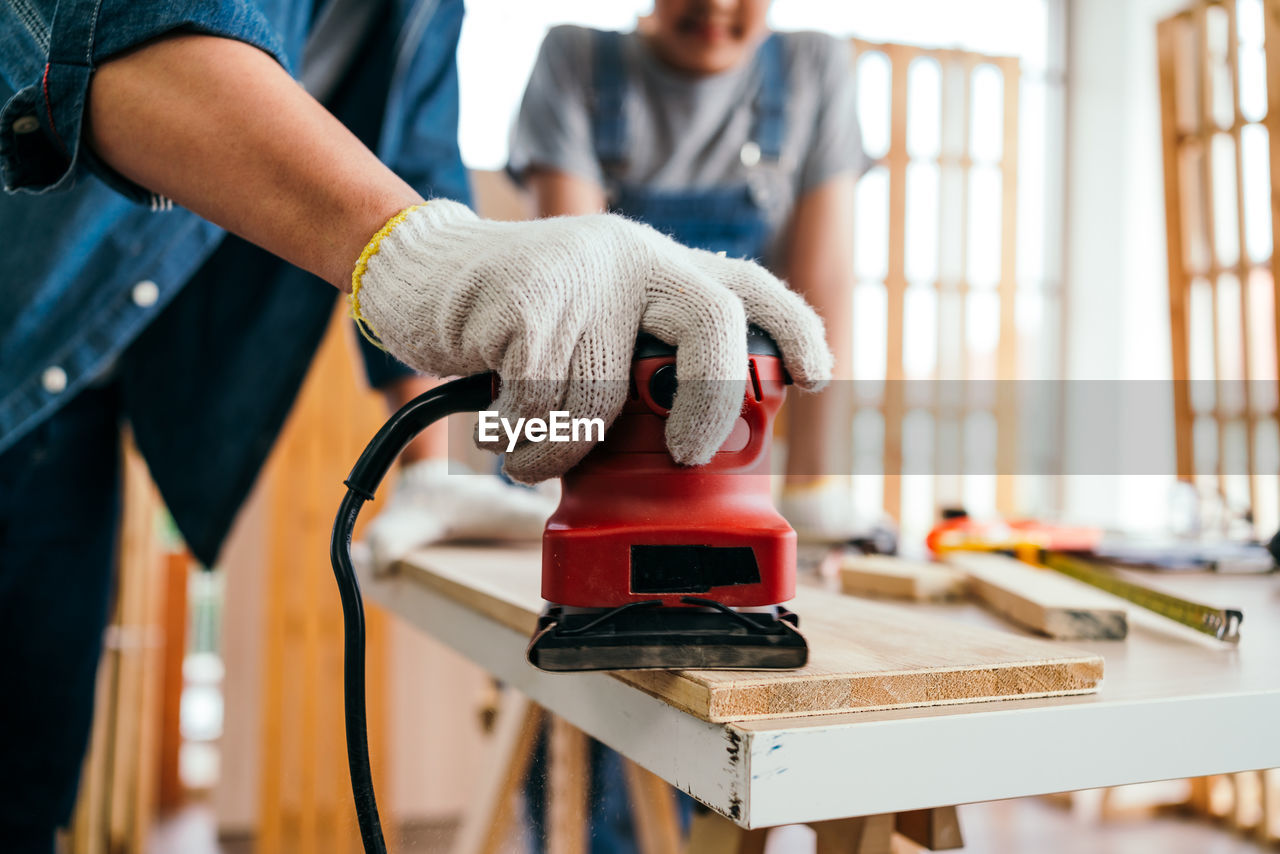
(353, 675)
(464, 395)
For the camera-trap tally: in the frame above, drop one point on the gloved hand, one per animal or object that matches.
(554, 306)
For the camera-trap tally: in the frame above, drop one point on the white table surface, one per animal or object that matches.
(1172, 704)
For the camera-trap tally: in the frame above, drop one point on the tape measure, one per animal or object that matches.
(1221, 623)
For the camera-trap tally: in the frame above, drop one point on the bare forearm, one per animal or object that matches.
(820, 262)
(561, 194)
(219, 127)
(820, 266)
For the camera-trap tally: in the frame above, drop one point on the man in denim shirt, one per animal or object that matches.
(111, 309)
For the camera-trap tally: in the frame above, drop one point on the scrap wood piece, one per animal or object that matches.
(936, 829)
(712, 833)
(868, 834)
(1041, 599)
(863, 655)
(881, 575)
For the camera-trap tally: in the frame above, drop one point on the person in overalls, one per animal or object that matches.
(734, 140)
(731, 139)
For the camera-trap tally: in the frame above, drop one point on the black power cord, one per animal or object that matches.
(465, 395)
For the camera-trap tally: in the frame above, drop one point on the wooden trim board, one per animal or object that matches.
(881, 575)
(1041, 599)
(863, 655)
(487, 821)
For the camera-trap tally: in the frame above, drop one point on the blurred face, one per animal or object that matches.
(707, 36)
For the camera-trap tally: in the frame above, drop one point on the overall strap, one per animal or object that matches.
(608, 121)
(771, 101)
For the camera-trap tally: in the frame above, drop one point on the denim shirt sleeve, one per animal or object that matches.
(419, 138)
(48, 52)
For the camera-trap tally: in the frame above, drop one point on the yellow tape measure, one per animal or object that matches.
(1221, 623)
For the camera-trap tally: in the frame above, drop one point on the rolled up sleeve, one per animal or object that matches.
(553, 128)
(836, 145)
(49, 50)
(419, 136)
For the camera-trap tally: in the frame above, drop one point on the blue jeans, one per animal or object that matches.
(59, 505)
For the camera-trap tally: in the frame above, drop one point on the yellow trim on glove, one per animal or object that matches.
(362, 264)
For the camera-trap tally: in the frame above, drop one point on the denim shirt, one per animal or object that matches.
(90, 261)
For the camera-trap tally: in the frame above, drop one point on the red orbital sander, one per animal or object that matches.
(650, 564)
(647, 564)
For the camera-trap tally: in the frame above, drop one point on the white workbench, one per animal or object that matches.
(1171, 705)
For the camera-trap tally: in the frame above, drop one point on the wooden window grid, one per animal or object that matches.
(965, 159)
(1219, 64)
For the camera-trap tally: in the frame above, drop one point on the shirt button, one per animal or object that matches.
(54, 380)
(145, 293)
(26, 124)
(749, 154)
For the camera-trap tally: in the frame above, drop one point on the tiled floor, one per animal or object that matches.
(1024, 826)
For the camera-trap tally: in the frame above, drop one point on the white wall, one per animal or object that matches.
(499, 43)
(1116, 285)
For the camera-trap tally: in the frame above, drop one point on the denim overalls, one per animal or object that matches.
(730, 218)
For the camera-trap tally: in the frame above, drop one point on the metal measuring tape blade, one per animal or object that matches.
(1221, 623)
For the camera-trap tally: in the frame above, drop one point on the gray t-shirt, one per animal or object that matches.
(687, 132)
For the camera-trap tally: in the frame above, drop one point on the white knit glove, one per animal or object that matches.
(554, 306)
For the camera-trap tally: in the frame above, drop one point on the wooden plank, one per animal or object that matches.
(1243, 266)
(1043, 600)
(1271, 121)
(1167, 48)
(653, 810)
(133, 638)
(146, 706)
(896, 277)
(567, 783)
(951, 366)
(177, 568)
(881, 575)
(1007, 346)
(863, 655)
(1208, 218)
(271, 810)
(485, 825)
